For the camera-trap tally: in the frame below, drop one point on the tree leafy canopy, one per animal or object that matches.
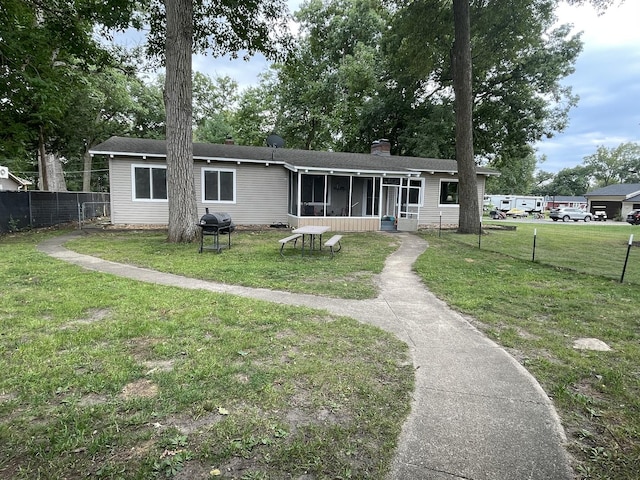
(224, 27)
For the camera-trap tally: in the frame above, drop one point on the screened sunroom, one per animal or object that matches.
(354, 201)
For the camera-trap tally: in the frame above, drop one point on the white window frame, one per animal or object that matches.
(203, 172)
(408, 187)
(447, 205)
(146, 166)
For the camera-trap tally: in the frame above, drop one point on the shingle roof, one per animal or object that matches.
(124, 146)
(622, 190)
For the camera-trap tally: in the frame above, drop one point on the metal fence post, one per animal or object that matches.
(480, 233)
(535, 235)
(440, 228)
(626, 259)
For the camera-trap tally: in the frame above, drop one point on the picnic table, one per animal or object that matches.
(312, 231)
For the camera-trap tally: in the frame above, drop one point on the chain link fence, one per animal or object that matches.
(34, 209)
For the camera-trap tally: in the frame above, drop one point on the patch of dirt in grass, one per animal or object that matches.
(301, 413)
(94, 315)
(139, 389)
(129, 456)
(188, 425)
(8, 397)
(92, 399)
(586, 388)
(155, 366)
(193, 470)
(241, 378)
(290, 355)
(526, 335)
(238, 467)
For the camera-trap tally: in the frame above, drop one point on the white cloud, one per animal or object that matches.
(606, 78)
(617, 26)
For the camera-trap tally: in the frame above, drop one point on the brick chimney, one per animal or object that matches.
(381, 147)
(229, 140)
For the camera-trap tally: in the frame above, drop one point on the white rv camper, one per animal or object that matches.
(505, 203)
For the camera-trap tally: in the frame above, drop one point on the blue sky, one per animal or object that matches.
(607, 80)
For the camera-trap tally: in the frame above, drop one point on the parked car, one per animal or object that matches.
(634, 217)
(567, 213)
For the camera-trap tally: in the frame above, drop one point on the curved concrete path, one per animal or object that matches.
(476, 412)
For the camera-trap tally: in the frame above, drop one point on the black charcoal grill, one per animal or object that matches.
(215, 224)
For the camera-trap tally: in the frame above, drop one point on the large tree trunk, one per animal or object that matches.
(51, 175)
(177, 98)
(469, 220)
(54, 173)
(86, 174)
(42, 172)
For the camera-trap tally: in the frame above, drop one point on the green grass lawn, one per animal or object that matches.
(537, 311)
(594, 248)
(104, 377)
(116, 379)
(254, 260)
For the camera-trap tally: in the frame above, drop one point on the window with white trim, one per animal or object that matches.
(218, 185)
(149, 182)
(448, 192)
(412, 192)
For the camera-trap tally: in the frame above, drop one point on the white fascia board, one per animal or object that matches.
(127, 154)
(240, 160)
(632, 195)
(349, 171)
(432, 171)
(202, 158)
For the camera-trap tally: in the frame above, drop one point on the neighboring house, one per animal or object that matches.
(264, 185)
(617, 200)
(560, 201)
(10, 182)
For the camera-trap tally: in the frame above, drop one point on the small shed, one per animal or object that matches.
(10, 182)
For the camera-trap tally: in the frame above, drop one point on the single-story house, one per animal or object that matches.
(618, 200)
(265, 185)
(560, 201)
(10, 182)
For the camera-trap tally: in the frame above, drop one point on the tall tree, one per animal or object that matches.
(568, 181)
(178, 105)
(48, 57)
(331, 74)
(615, 165)
(255, 117)
(516, 169)
(178, 28)
(214, 102)
(519, 58)
(469, 219)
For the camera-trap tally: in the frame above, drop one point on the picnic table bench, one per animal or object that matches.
(331, 243)
(284, 241)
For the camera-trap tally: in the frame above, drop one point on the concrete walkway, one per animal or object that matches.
(476, 413)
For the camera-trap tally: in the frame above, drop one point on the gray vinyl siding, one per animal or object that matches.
(261, 194)
(431, 209)
(8, 185)
(124, 210)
